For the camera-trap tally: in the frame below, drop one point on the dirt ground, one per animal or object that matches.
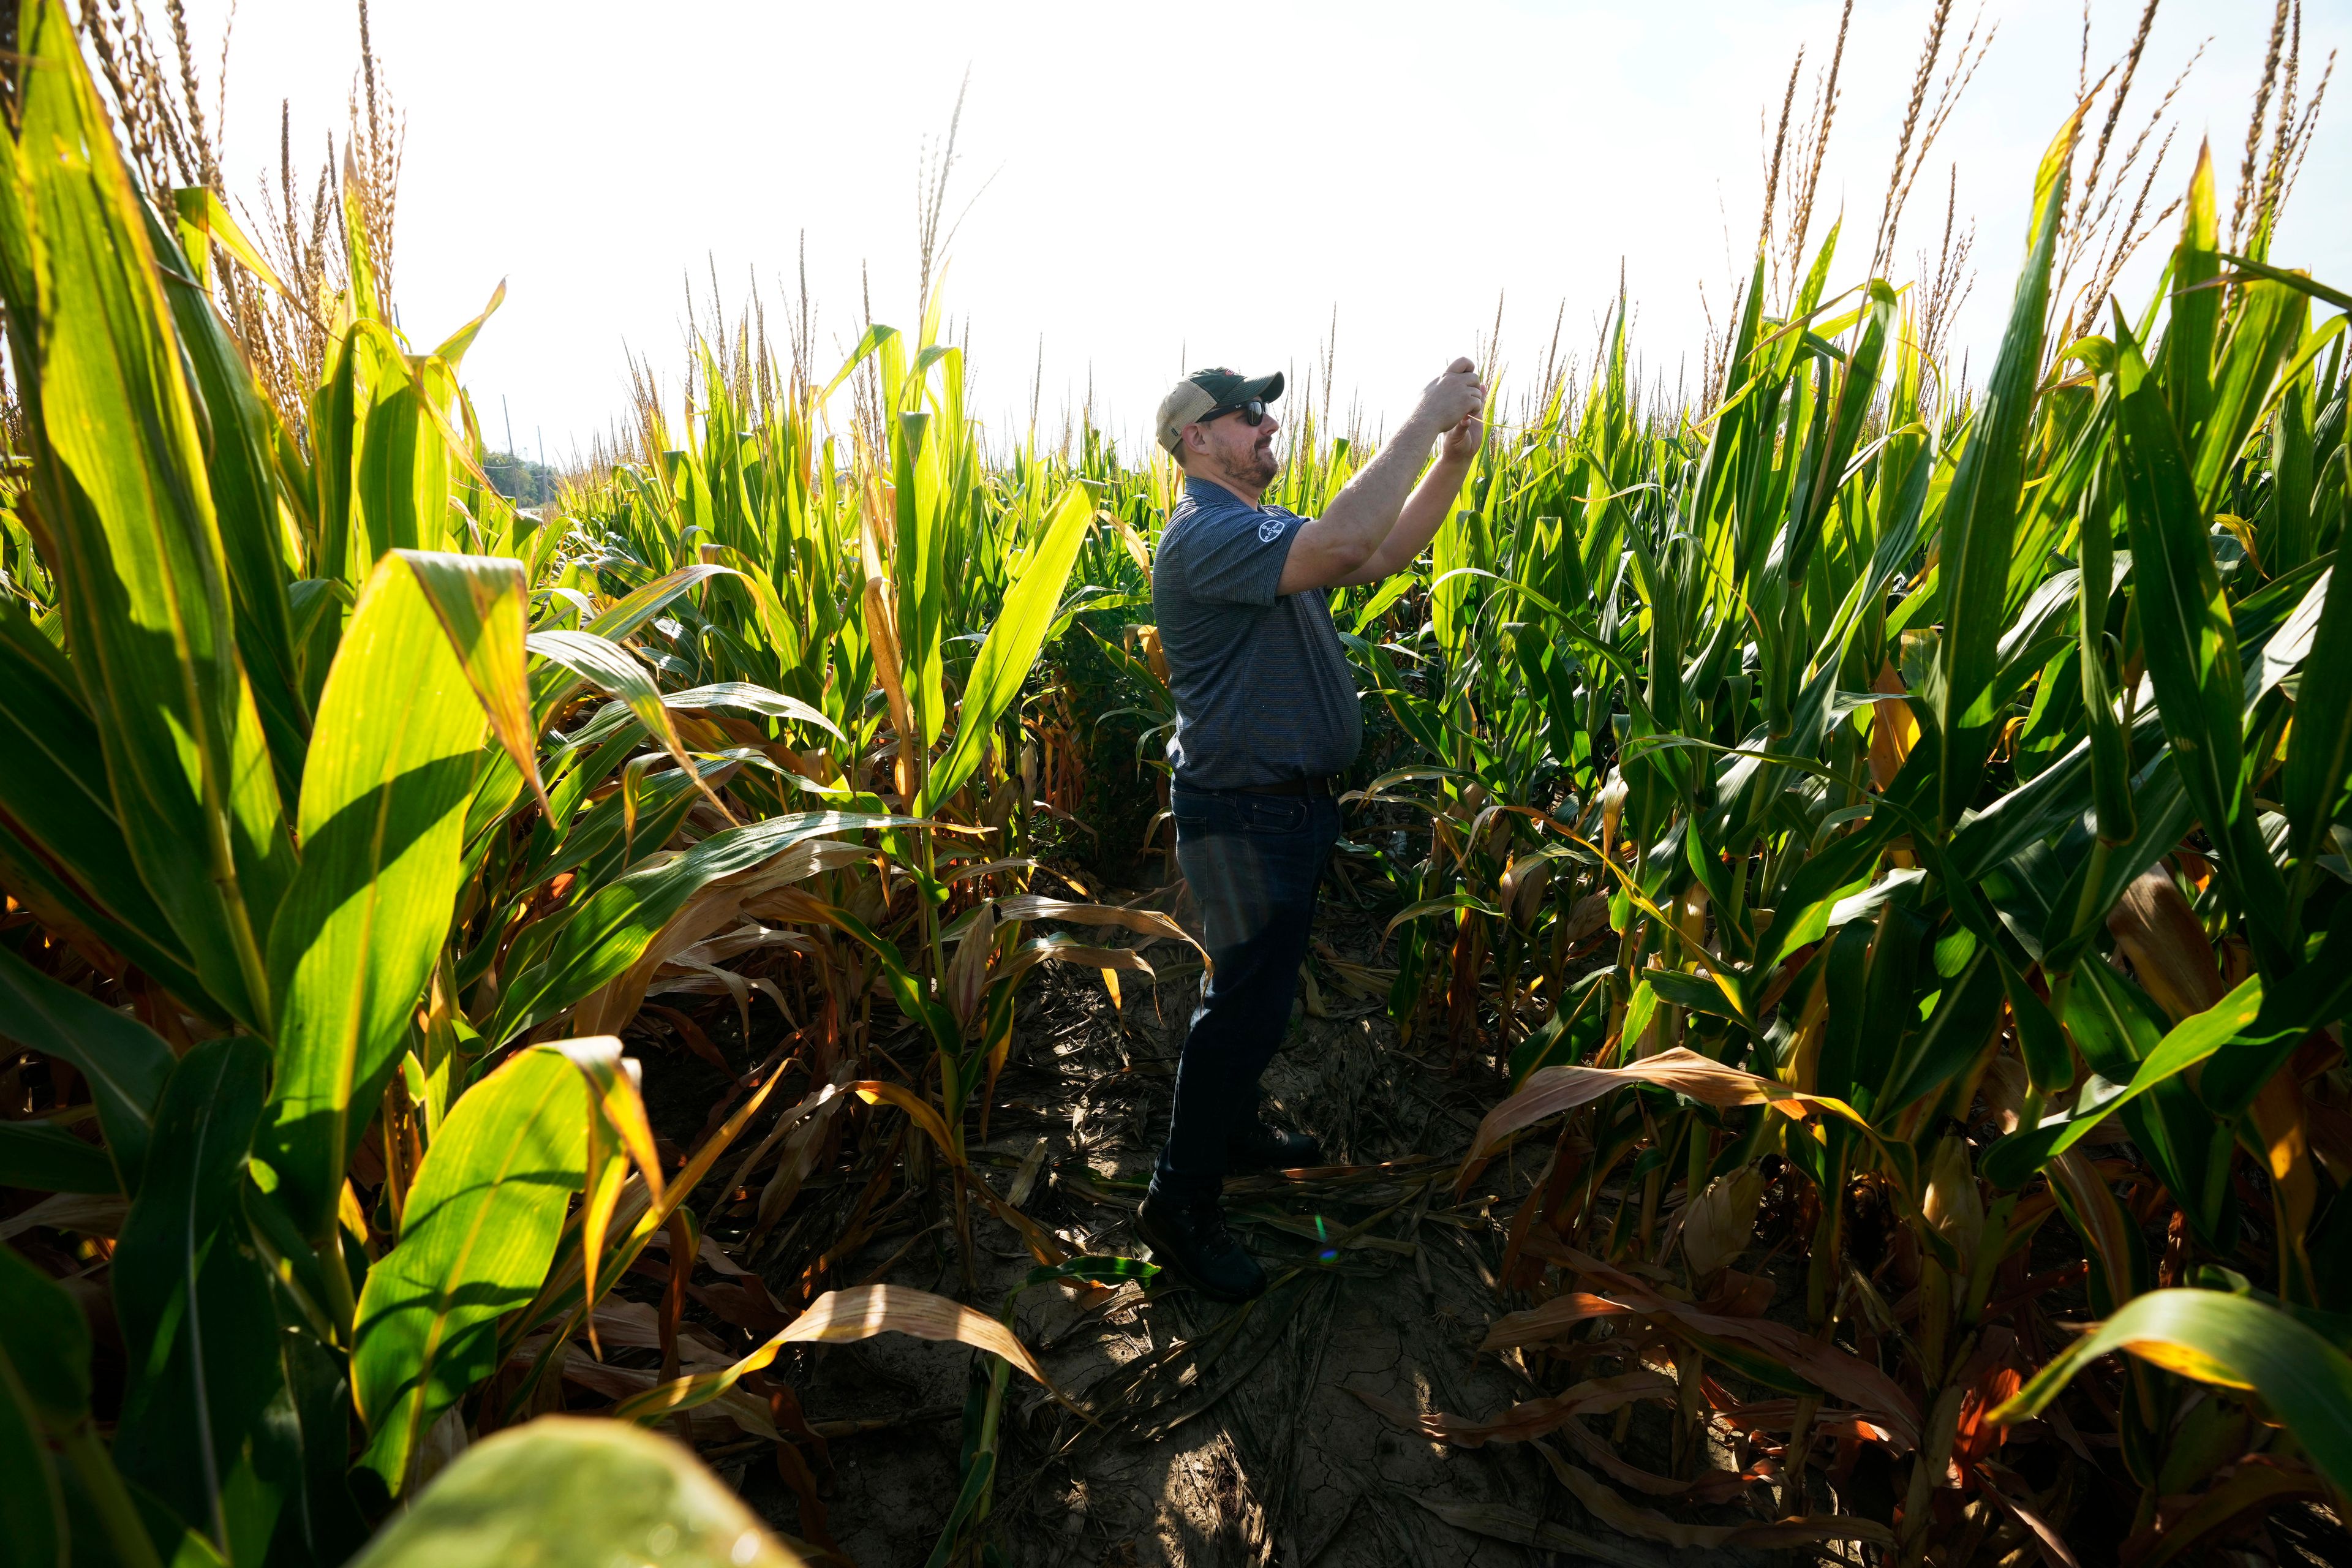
(1218, 1435)
(1189, 1433)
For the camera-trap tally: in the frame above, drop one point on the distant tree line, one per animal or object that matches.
(519, 479)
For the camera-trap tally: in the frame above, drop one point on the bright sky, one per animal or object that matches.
(1168, 187)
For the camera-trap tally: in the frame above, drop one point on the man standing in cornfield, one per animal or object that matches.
(1267, 719)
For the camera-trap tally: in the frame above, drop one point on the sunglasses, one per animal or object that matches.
(1252, 413)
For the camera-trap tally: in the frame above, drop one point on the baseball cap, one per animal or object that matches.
(1204, 390)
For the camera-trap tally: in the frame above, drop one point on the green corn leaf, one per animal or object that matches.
(484, 604)
(1857, 391)
(2296, 279)
(1814, 888)
(2319, 748)
(622, 617)
(1903, 503)
(400, 479)
(194, 1302)
(43, 1157)
(55, 794)
(2034, 810)
(2161, 813)
(44, 1394)
(36, 1532)
(2049, 1061)
(2110, 754)
(2278, 622)
(204, 219)
(242, 470)
(1844, 978)
(2264, 332)
(784, 633)
(918, 565)
(2314, 996)
(1693, 993)
(452, 349)
(319, 606)
(335, 414)
(123, 1061)
(1716, 476)
(874, 338)
(2012, 1161)
(740, 696)
(615, 671)
(604, 841)
(564, 1489)
(438, 394)
(602, 936)
(122, 488)
(2232, 1341)
(1012, 647)
(979, 1476)
(360, 254)
(1960, 1027)
(391, 765)
(2117, 1027)
(1979, 516)
(306, 1455)
(63, 906)
(2287, 534)
(2196, 310)
(477, 1236)
(2191, 647)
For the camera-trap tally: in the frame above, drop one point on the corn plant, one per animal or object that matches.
(375, 809)
(1886, 840)
(1860, 811)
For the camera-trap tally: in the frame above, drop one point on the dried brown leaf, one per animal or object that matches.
(2161, 933)
(1650, 1525)
(1533, 1417)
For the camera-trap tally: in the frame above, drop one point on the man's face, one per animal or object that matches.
(1228, 447)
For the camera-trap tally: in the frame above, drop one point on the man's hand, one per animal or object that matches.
(1461, 442)
(1453, 396)
(1370, 529)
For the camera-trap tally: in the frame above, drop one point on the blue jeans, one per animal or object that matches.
(1253, 862)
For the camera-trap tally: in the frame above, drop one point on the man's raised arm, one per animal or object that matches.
(1351, 542)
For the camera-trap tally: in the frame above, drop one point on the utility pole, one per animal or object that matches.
(510, 451)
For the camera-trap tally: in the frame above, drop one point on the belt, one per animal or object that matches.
(1318, 786)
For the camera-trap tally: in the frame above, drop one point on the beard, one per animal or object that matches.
(1255, 470)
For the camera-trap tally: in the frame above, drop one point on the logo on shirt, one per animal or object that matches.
(1271, 530)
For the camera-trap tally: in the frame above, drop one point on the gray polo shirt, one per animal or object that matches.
(1264, 694)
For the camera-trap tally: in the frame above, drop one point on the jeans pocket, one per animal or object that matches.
(1275, 813)
(1198, 815)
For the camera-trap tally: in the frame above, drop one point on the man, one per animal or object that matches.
(1267, 719)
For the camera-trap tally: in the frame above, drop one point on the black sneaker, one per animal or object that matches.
(1257, 1146)
(1190, 1241)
